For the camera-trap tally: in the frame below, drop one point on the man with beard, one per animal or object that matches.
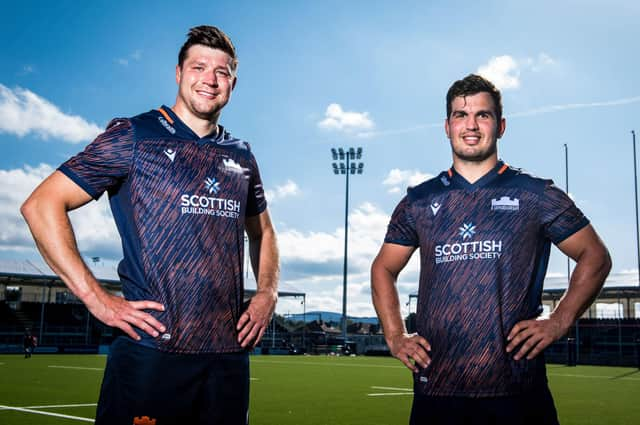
(183, 191)
(484, 230)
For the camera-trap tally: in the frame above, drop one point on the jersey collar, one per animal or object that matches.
(185, 130)
(495, 172)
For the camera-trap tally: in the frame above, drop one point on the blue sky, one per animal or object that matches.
(316, 75)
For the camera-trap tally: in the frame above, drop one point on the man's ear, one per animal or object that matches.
(502, 127)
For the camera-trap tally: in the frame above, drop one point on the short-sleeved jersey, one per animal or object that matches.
(484, 250)
(179, 202)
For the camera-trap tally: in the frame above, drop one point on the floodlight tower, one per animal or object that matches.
(345, 163)
(635, 186)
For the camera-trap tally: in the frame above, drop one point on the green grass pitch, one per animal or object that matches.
(304, 390)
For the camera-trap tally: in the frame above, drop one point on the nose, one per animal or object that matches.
(210, 79)
(471, 123)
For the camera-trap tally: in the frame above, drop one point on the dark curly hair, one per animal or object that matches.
(209, 36)
(474, 84)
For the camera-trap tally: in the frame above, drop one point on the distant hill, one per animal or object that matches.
(329, 316)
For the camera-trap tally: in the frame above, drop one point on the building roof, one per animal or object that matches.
(38, 273)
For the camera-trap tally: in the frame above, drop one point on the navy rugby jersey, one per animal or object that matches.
(179, 202)
(484, 250)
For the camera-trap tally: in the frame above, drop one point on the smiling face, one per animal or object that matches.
(205, 81)
(473, 128)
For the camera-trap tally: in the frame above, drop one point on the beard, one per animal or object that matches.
(476, 155)
(204, 111)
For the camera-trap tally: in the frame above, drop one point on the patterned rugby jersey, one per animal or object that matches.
(484, 250)
(179, 202)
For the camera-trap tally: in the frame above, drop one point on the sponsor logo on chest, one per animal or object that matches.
(210, 202)
(466, 248)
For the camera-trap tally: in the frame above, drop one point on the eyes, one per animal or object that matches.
(483, 115)
(222, 73)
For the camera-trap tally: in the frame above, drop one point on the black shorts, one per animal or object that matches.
(533, 408)
(172, 388)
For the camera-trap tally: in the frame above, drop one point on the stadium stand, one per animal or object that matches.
(33, 298)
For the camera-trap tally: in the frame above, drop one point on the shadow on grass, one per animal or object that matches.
(624, 375)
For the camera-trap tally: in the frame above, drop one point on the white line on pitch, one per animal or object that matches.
(592, 376)
(76, 367)
(392, 388)
(52, 406)
(385, 394)
(58, 415)
(326, 364)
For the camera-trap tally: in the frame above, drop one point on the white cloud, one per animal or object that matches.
(504, 71)
(310, 250)
(340, 120)
(93, 224)
(28, 69)
(399, 180)
(290, 188)
(541, 62)
(135, 56)
(367, 225)
(25, 112)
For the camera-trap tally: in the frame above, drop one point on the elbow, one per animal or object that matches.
(37, 208)
(28, 209)
(607, 263)
(373, 272)
(602, 266)
(379, 275)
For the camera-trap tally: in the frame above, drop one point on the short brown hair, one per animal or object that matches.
(474, 84)
(208, 36)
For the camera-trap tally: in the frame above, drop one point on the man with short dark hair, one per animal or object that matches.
(484, 230)
(183, 191)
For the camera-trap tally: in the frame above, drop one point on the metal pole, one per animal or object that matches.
(304, 321)
(635, 185)
(86, 335)
(44, 291)
(566, 177)
(618, 311)
(344, 270)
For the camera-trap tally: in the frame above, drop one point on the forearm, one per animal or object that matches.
(587, 279)
(386, 302)
(54, 238)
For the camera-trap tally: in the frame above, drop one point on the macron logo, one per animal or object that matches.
(171, 154)
(435, 207)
